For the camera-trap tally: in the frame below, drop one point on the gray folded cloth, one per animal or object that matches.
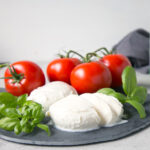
(136, 47)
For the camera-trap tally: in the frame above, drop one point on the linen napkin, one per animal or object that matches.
(135, 46)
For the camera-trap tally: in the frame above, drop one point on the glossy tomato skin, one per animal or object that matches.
(60, 69)
(33, 78)
(90, 77)
(116, 64)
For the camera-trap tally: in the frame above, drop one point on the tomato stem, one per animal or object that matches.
(106, 51)
(90, 55)
(15, 76)
(113, 51)
(3, 65)
(61, 56)
(74, 52)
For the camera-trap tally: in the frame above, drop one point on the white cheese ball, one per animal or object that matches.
(73, 113)
(51, 93)
(114, 104)
(109, 108)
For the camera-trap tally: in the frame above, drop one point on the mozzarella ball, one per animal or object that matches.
(51, 93)
(73, 113)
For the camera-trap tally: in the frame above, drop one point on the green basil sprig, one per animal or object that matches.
(134, 95)
(19, 115)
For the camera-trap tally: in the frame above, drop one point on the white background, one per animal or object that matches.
(38, 29)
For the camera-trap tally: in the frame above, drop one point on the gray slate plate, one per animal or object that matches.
(60, 138)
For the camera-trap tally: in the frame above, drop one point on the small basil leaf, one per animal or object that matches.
(36, 113)
(111, 92)
(30, 103)
(138, 107)
(27, 128)
(10, 112)
(139, 94)
(22, 99)
(8, 99)
(41, 116)
(129, 81)
(44, 127)
(2, 107)
(25, 111)
(122, 98)
(8, 123)
(23, 121)
(106, 91)
(17, 129)
(35, 121)
(35, 110)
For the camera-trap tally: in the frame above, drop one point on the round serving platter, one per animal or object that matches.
(61, 138)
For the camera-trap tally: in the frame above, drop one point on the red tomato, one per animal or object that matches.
(28, 77)
(90, 77)
(116, 64)
(60, 69)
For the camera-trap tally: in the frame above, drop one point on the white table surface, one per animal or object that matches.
(138, 141)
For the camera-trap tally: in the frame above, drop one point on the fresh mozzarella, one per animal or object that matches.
(101, 107)
(73, 113)
(85, 112)
(51, 93)
(108, 107)
(114, 104)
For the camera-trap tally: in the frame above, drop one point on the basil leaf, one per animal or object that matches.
(30, 103)
(20, 115)
(111, 92)
(10, 112)
(23, 121)
(27, 128)
(44, 127)
(17, 129)
(105, 91)
(138, 107)
(25, 111)
(37, 113)
(139, 94)
(8, 99)
(22, 99)
(8, 123)
(129, 81)
(122, 98)
(2, 107)
(41, 116)
(35, 121)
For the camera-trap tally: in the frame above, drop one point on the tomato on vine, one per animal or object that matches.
(90, 76)
(60, 69)
(116, 64)
(22, 77)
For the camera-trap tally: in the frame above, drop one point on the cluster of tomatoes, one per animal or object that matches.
(85, 75)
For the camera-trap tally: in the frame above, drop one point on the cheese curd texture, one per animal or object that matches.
(50, 93)
(85, 112)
